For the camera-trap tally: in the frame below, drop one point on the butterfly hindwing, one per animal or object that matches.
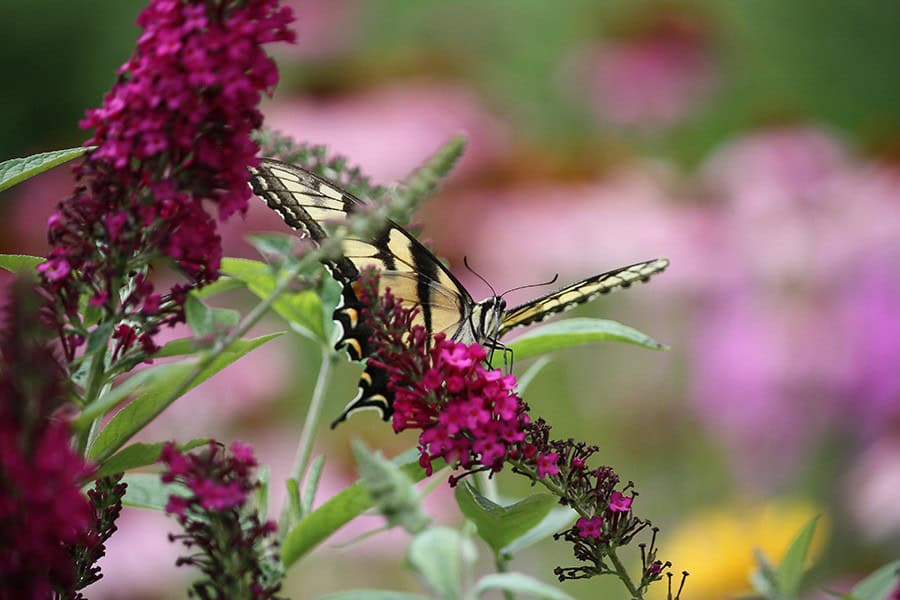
(579, 293)
(307, 203)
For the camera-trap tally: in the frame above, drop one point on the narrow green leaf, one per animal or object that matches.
(336, 512)
(501, 525)
(303, 310)
(219, 286)
(573, 332)
(139, 455)
(518, 583)
(19, 263)
(790, 572)
(390, 489)
(157, 395)
(146, 490)
(437, 555)
(272, 244)
(557, 519)
(113, 397)
(198, 316)
(17, 170)
(373, 595)
(878, 585)
(179, 347)
(311, 484)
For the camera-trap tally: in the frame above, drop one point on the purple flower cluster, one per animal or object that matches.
(229, 546)
(472, 417)
(469, 416)
(172, 134)
(42, 509)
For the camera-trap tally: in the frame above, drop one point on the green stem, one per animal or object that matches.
(313, 415)
(622, 574)
(283, 284)
(95, 383)
(503, 567)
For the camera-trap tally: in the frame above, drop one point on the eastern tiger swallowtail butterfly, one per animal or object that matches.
(305, 201)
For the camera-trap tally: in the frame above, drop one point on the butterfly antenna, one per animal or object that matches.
(478, 275)
(531, 285)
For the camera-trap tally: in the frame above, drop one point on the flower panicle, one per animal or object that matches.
(472, 417)
(172, 135)
(227, 541)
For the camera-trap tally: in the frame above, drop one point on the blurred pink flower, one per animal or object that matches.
(806, 339)
(391, 130)
(324, 28)
(872, 488)
(652, 79)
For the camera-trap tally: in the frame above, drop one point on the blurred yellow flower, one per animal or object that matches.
(717, 546)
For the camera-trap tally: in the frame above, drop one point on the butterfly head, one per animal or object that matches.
(486, 318)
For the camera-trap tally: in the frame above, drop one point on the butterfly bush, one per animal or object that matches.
(471, 417)
(43, 513)
(229, 545)
(172, 136)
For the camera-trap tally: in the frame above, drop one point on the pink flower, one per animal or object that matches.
(546, 464)
(590, 528)
(619, 503)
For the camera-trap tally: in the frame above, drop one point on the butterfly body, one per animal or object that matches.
(307, 202)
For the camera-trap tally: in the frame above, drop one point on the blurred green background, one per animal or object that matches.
(753, 143)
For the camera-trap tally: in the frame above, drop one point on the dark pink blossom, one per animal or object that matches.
(590, 528)
(171, 136)
(619, 503)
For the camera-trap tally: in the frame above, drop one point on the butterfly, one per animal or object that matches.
(307, 202)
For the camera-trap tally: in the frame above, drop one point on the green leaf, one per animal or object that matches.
(878, 585)
(518, 583)
(557, 519)
(219, 286)
(437, 555)
(501, 525)
(391, 489)
(205, 321)
(158, 393)
(303, 310)
(372, 595)
(339, 510)
(19, 263)
(139, 455)
(179, 347)
(17, 170)
(790, 572)
(272, 244)
(146, 490)
(311, 484)
(572, 332)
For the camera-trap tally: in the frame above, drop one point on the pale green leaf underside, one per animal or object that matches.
(17, 170)
(574, 332)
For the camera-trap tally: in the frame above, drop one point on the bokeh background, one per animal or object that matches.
(755, 144)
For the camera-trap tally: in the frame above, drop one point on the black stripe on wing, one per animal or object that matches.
(579, 293)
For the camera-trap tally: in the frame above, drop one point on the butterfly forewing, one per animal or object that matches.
(579, 293)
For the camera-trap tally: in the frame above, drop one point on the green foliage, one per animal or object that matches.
(146, 490)
(573, 332)
(169, 383)
(139, 455)
(390, 489)
(336, 512)
(878, 585)
(304, 311)
(17, 170)
(19, 263)
(517, 583)
(501, 526)
(437, 555)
